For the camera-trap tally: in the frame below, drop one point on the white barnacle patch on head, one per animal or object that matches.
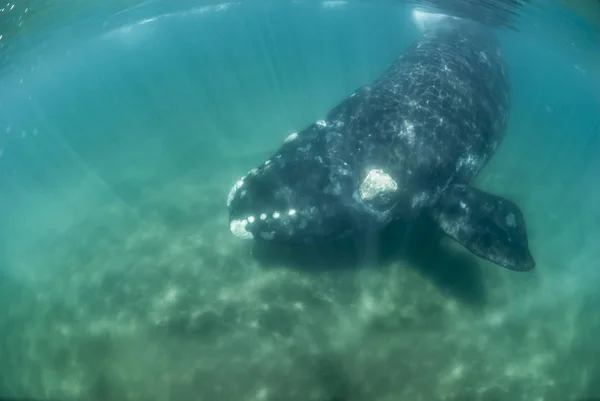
(292, 212)
(263, 216)
(322, 123)
(238, 228)
(234, 189)
(276, 215)
(291, 137)
(376, 183)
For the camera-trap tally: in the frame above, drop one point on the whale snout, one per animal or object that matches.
(271, 215)
(261, 205)
(290, 201)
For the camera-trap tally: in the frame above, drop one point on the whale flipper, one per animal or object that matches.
(490, 226)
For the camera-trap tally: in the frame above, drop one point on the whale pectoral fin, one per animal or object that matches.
(490, 226)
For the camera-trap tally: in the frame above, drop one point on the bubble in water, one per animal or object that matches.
(8, 129)
(35, 131)
(23, 134)
(1, 152)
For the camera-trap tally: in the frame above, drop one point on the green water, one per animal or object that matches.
(120, 279)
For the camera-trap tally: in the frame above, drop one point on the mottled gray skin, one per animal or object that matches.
(430, 123)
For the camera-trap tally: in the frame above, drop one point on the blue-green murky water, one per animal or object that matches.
(121, 134)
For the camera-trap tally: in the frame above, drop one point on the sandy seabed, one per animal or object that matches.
(158, 301)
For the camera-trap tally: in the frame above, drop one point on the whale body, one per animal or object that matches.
(405, 145)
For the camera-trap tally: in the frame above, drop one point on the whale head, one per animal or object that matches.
(298, 198)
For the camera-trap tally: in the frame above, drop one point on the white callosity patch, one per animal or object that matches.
(281, 219)
(376, 183)
(238, 228)
(291, 137)
(233, 191)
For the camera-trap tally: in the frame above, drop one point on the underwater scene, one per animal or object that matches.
(297, 200)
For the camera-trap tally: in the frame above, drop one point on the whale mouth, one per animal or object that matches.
(295, 226)
(269, 226)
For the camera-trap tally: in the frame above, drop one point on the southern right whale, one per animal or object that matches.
(408, 144)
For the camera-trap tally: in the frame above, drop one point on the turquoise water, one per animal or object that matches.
(121, 134)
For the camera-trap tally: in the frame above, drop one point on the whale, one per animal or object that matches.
(407, 145)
